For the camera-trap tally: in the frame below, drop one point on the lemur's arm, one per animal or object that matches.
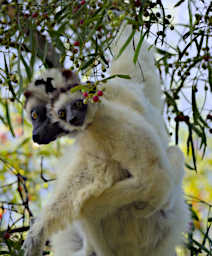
(133, 191)
(62, 210)
(52, 219)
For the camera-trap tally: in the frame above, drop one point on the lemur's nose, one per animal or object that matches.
(74, 120)
(36, 137)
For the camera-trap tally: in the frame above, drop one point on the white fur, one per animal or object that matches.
(144, 72)
(119, 186)
(141, 215)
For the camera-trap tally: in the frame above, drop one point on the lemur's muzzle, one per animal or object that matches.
(47, 132)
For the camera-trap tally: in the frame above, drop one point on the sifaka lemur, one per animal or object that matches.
(118, 188)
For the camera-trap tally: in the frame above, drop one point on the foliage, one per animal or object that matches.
(78, 34)
(199, 195)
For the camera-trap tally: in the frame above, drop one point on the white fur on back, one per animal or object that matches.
(144, 72)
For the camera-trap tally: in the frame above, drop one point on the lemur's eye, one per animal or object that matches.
(34, 115)
(78, 105)
(61, 114)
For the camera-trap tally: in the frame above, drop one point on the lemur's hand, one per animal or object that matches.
(34, 243)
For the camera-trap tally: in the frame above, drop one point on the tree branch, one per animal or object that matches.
(52, 58)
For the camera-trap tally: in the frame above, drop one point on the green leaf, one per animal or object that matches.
(199, 45)
(27, 68)
(190, 15)
(163, 52)
(171, 101)
(186, 35)
(22, 143)
(2, 119)
(123, 76)
(7, 110)
(206, 235)
(62, 28)
(19, 72)
(59, 13)
(56, 38)
(45, 52)
(179, 3)
(210, 76)
(78, 87)
(194, 215)
(33, 46)
(97, 23)
(190, 142)
(126, 44)
(137, 50)
(88, 63)
(187, 46)
(189, 167)
(117, 75)
(164, 23)
(8, 78)
(196, 115)
(201, 246)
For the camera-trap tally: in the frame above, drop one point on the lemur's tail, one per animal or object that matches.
(144, 72)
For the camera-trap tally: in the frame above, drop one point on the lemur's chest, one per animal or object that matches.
(90, 178)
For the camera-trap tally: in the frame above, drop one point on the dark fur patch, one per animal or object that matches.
(93, 254)
(48, 84)
(67, 73)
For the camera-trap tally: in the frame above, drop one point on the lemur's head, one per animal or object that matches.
(39, 97)
(71, 112)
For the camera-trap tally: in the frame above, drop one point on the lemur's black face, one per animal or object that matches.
(44, 130)
(73, 113)
(45, 91)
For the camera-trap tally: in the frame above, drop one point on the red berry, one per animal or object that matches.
(95, 98)
(85, 94)
(75, 10)
(209, 117)
(26, 15)
(34, 15)
(137, 3)
(82, 2)
(6, 235)
(206, 57)
(100, 93)
(179, 118)
(81, 22)
(77, 43)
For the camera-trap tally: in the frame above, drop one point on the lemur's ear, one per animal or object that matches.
(67, 73)
(72, 80)
(27, 94)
